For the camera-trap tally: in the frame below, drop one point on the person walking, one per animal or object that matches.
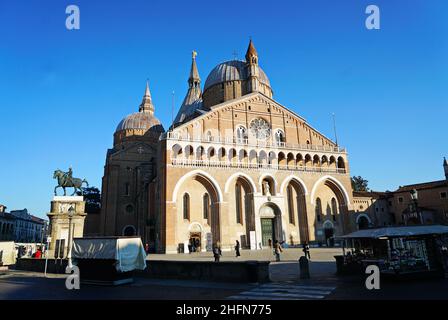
(277, 250)
(237, 249)
(216, 253)
(306, 250)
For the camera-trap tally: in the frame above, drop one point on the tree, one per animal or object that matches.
(92, 196)
(360, 184)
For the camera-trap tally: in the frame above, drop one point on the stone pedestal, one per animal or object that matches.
(60, 221)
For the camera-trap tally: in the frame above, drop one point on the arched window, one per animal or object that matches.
(206, 205)
(186, 206)
(290, 205)
(238, 203)
(318, 209)
(279, 137)
(241, 134)
(208, 136)
(334, 208)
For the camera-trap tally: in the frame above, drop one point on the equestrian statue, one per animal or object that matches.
(66, 180)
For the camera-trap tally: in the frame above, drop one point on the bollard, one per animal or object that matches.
(304, 268)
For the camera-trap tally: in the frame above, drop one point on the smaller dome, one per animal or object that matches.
(140, 120)
(231, 71)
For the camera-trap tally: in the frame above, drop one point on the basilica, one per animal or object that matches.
(235, 164)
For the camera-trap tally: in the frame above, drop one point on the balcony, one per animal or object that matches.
(270, 143)
(182, 162)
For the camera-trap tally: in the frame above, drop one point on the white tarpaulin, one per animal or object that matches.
(128, 252)
(7, 253)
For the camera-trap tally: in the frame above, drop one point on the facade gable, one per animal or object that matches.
(224, 120)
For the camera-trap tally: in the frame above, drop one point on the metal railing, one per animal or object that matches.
(255, 166)
(270, 143)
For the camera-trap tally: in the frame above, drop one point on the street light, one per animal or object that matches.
(71, 212)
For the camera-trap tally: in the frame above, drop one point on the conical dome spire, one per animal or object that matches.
(146, 105)
(194, 79)
(192, 101)
(251, 54)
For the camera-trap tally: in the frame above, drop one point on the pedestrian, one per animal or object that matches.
(237, 249)
(306, 250)
(277, 250)
(216, 253)
(147, 248)
(270, 243)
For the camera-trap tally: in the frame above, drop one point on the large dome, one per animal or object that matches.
(230, 71)
(140, 120)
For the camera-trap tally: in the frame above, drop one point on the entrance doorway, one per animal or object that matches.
(195, 242)
(267, 231)
(329, 236)
(271, 224)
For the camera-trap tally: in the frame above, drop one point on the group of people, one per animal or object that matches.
(278, 249)
(30, 251)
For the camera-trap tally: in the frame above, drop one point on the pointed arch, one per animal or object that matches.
(194, 173)
(335, 183)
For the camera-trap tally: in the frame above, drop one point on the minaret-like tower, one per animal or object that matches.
(252, 68)
(194, 81)
(192, 100)
(146, 105)
(445, 167)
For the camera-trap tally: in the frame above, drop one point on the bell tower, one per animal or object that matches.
(252, 68)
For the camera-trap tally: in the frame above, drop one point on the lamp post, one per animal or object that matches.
(71, 212)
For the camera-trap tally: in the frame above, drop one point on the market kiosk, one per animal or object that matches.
(396, 250)
(108, 260)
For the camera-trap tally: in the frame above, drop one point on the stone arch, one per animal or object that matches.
(243, 197)
(129, 231)
(316, 161)
(332, 163)
(290, 160)
(211, 153)
(281, 159)
(176, 151)
(271, 211)
(272, 183)
(262, 158)
(242, 155)
(221, 154)
(299, 160)
(328, 224)
(232, 156)
(212, 188)
(272, 158)
(343, 198)
(308, 161)
(363, 221)
(203, 174)
(253, 157)
(324, 161)
(242, 175)
(200, 152)
(188, 152)
(341, 163)
(296, 191)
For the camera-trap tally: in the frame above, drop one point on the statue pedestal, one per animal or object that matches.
(60, 221)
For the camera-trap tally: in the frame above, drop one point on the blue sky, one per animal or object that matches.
(63, 92)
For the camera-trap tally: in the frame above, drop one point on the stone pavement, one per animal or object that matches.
(322, 264)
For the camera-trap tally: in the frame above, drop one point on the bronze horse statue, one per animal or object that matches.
(66, 181)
